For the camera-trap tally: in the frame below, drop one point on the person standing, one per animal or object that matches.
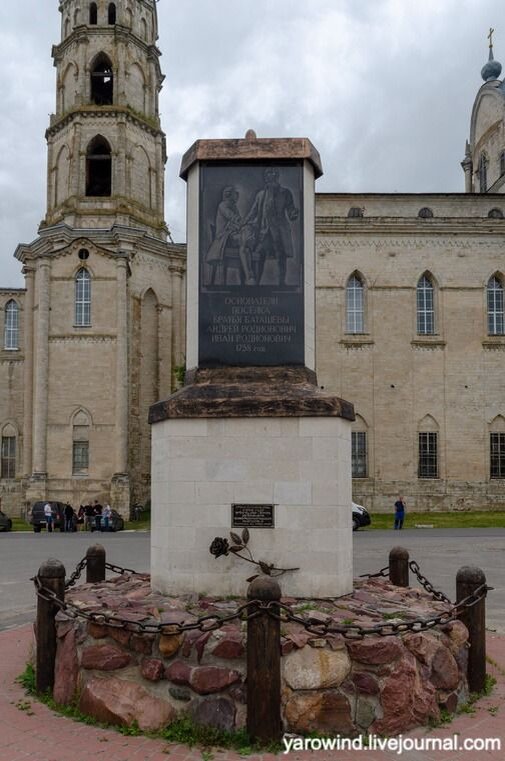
(106, 515)
(48, 515)
(399, 512)
(97, 512)
(69, 517)
(89, 517)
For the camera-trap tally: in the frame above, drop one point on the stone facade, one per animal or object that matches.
(402, 381)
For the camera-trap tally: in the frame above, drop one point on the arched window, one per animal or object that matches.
(495, 322)
(93, 14)
(102, 82)
(11, 325)
(483, 173)
(497, 447)
(98, 168)
(427, 437)
(354, 305)
(82, 298)
(8, 452)
(425, 306)
(112, 13)
(80, 444)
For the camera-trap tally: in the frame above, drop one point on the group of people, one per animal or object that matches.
(89, 517)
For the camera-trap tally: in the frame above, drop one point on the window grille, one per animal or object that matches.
(359, 454)
(425, 307)
(495, 322)
(428, 455)
(80, 458)
(83, 298)
(497, 450)
(11, 327)
(355, 314)
(8, 459)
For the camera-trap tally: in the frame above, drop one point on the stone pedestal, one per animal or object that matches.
(250, 441)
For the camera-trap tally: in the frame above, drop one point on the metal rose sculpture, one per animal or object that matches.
(221, 546)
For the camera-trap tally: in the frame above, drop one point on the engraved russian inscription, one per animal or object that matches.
(252, 516)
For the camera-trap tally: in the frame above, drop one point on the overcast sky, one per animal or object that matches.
(383, 88)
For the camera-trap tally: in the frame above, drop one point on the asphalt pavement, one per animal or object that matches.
(439, 552)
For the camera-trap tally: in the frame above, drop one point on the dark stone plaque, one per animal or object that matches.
(252, 516)
(251, 303)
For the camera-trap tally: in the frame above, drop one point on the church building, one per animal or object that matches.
(409, 299)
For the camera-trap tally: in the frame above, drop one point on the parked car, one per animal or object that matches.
(116, 523)
(5, 522)
(38, 520)
(360, 516)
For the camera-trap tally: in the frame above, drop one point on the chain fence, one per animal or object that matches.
(274, 609)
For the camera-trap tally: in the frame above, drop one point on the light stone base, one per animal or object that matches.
(301, 465)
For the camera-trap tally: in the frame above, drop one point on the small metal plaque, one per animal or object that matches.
(252, 516)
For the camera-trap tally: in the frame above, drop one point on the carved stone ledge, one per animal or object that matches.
(250, 392)
(428, 343)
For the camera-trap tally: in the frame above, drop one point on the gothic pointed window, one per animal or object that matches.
(354, 305)
(11, 325)
(93, 14)
(83, 298)
(112, 13)
(98, 168)
(102, 82)
(483, 173)
(425, 306)
(495, 307)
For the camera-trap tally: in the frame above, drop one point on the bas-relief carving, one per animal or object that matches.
(251, 264)
(82, 339)
(333, 246)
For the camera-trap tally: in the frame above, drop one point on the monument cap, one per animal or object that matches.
(252, 148)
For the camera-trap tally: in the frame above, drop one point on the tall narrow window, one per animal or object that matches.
(425, 306)
(93, 14)
(112, 13)
(102, 82)
(99, 168)
(359, 454)
(495, 321)
(428, 455)
(80, 443)
(82, 298)
(502, 163)
(11, 325)
(497, 450)
(8, 461)
(354, 305)
(483, 173)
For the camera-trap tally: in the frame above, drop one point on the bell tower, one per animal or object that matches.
(106, 149)
(105, 289)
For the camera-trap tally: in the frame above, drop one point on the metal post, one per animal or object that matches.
(399, 567)
(468, 579)
(264, 665)
(95, 565)
(52, 576)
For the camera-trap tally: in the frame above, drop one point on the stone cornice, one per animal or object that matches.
(366, 226)
(102, 112)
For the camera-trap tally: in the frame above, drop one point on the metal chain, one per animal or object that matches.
(119, 569)
(414, 567)
(81, 565)
(255, 608)
(384, 572)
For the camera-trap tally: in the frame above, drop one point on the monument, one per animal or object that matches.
(251, 467)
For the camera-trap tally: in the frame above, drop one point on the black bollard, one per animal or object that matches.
(52, 577)
(95, 565)
(468, 579)
(264, 665)
(399, 567)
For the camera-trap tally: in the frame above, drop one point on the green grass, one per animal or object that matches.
(441, 520)
(144, 524)
(183, 730)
